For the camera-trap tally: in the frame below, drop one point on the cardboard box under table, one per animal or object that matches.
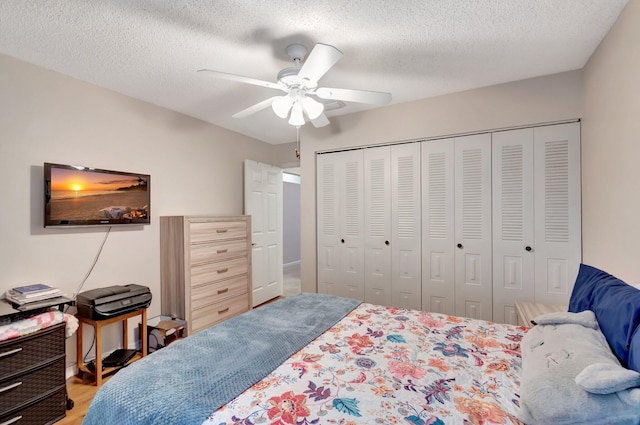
(163, 330)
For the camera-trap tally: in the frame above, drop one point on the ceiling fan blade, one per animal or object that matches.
(360, 96)
(319, 61)
(255, 108)
(321, 121)
(242, 79)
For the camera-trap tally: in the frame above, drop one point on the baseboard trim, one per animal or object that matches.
(70, 371)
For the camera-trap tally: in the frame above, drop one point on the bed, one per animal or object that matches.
(319, 359)
(316, 359)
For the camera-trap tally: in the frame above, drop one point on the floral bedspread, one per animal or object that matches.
(391, 366)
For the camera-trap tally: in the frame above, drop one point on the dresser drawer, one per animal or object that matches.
(31, 386)
(213, 252)
(205, 269)
(19, 355)
(204, 317)
(217, 231)
(219, 291)
(215, 272)
(46, 411)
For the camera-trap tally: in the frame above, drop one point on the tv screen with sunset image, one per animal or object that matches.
(81, 196)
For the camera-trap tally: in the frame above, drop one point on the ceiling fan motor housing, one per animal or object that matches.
(289, 76)
(296, 52)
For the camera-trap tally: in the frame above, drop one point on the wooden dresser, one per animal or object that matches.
(32, 377)
(205, 268)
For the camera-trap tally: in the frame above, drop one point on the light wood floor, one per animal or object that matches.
(81, 392)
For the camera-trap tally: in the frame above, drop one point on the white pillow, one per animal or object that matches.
(607, 378)
(586, 318)
(552, 357)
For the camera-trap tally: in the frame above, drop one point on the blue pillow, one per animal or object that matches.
(615, 304)
(582, 294)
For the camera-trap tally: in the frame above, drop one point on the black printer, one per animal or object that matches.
(104, 303)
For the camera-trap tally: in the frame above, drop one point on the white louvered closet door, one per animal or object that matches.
(473, 259)
(438, 247)
(513, 232)
(328, 223)
(558, 216)
(377, 219)
(406, 226)
(340, 224)
(352, 224)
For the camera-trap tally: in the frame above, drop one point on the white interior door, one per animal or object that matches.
(473, 261)
(513, 211)
(438, 242)
(263, 202)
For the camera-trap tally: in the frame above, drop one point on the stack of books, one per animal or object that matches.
(31, 293)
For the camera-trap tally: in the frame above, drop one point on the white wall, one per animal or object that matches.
(538, 100)
(611, 150)
(195, 168)
(285, 155)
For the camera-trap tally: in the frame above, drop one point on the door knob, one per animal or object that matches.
(460, 245)
(386, 242)
(342, 240)
(528, 248)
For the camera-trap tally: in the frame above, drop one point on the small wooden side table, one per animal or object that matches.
(99, 373)
(527, 311)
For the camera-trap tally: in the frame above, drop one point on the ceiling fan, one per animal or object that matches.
(300, 83)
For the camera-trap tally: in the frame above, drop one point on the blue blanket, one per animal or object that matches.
(188, 380)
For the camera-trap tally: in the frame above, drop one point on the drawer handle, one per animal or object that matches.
(222, 291)
(222, 251)
(221, 231)
(8, 353)
(11, 421)
(8, 387)
(219, 312)
(223, 270)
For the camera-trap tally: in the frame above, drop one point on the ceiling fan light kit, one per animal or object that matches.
(282, 105)
(300, 83)
(296, 119)
(312, 107)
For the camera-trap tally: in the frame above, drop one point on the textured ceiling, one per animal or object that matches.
(151, 49)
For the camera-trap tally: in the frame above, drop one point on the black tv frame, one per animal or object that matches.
(138, 215)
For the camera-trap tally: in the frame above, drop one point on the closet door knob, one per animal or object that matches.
(527, 248)
(386, 242)
(460, 245)
(342, 240)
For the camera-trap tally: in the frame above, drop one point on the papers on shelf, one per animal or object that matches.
(32, 293)
(31, 289)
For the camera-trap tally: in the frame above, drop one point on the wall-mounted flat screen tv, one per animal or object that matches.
(83, 196)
